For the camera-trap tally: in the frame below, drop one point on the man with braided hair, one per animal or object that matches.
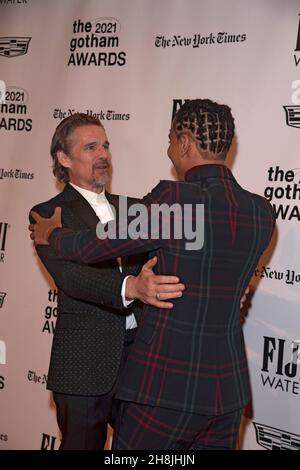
(186, 379)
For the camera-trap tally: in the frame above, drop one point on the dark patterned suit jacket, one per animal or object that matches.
(90, 328)
(192, 357)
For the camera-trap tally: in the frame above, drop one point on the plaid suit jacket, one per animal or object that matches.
(90, 328)
(192, 357)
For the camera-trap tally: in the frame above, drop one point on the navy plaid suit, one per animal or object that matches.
(192, 358)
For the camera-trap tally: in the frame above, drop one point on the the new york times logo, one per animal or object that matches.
(280, 365)
(198, 40)
(48, 442)
(36, 378)
(276, 439)
(102, 115)
(289, 276)
(50, 312)
(96, 43)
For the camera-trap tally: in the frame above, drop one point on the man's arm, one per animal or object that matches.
(86, 283)
(85, 246)
(102, 285)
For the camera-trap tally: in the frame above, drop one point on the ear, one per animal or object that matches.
(184, 142)
(63, 159)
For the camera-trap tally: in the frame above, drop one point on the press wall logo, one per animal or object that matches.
(283, 191)
(50, 313)
(3, 437)
(297, 50)
(96, 43)
(276, 439)
(177, 103)
(2, 352)
(14, 46)
(48, 442)
(292, 112)
(13, 2)
(199, 40)
(103, 115)
(4, 226)
(2, 382)
(14, 109)
(16, 174)
(2, 91)
(2, 297)
(280, 363)
(37, 378)
(289, 276)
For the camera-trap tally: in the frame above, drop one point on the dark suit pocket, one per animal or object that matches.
(146, 333)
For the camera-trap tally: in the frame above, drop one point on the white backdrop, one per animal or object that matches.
(128, 61)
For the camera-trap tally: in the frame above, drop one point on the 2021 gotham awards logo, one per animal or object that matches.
(96, 43)
(50, 312)
(283, 191)
(14, 109)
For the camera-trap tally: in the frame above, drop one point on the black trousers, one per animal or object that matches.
(83, 420)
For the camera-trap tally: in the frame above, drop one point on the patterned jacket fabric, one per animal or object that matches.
(90, 328)
(192, 357)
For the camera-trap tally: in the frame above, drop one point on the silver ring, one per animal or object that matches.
(157, 296)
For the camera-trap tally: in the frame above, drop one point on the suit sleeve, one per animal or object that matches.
(86, 247)
(86, 283)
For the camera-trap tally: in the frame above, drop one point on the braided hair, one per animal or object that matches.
(210, 124)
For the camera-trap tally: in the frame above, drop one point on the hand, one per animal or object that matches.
(243, 299)
(42, 229)
(153, 289)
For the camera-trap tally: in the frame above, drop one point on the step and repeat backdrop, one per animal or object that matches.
(133, 63)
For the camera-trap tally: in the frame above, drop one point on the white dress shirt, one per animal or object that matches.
(101, 207)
